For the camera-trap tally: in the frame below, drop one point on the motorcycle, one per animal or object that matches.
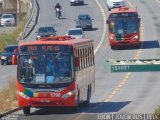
(58, 12)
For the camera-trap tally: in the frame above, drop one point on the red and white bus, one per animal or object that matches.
(55, 72)
(123, 27)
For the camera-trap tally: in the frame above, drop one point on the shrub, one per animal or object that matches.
(157, 112)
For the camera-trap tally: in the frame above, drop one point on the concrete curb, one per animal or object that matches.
(9, 112)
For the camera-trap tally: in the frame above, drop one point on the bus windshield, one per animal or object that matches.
(55, 68)
(124, 26)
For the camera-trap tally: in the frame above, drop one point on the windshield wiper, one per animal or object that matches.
(58, 55)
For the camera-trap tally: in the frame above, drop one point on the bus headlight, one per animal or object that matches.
(111, 38)
(68, 94)
(135, 37)
(111, 4)
(38, 37)
(22, 94)
(3, 57)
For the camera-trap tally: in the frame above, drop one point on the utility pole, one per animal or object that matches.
(19, 10)
(2, 5)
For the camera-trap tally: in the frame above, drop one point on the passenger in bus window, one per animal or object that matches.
(39, 65)
(50, 66)
(34, 63)
(65, 69)
(50, 70)
(27, 71)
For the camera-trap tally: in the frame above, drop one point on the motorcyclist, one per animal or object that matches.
(58, 7)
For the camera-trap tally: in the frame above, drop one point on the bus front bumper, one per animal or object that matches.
(125, 43)
(46, 102)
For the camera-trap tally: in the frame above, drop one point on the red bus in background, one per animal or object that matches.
(55, 72)
(123, 27)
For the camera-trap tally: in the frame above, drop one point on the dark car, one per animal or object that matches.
(76, 2)
(45, 32)
(8, 51)
(84, 21)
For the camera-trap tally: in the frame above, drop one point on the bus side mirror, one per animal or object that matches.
(107, 21)
(139, 19)
(14, 59)
(77, 62)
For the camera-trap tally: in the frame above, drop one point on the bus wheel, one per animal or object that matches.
(76, 108)
(86, 103)
(137, 46)
(2, 63)
(113, 47)
(26, 110)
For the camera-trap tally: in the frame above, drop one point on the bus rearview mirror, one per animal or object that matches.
(139, 19)
(107, 21)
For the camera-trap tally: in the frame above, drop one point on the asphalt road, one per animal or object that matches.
(115, 92)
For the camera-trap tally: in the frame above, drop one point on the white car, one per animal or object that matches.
(75, 2)
(7, 20)
(76, 33)
(115, 4)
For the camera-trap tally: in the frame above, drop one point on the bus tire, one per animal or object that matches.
(137, 46)
(2, 63)
(113, 47)
(87, 102)
(26, 110)
(76, 108)
(71, 4)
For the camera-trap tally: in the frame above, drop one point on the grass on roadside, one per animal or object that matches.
(11, 38)
(157, 112)
(8, 97)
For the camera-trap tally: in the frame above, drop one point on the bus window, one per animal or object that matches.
(92, 55)
(81, 57)
(44, 69)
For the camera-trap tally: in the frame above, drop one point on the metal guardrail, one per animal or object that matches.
(26, 33)
(29, 20)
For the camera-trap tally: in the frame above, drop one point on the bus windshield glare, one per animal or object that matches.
(121, 26)
(123, 23)
(50, 68)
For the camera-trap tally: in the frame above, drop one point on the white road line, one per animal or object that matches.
(28, 39)
(158, 1)
(104, 27)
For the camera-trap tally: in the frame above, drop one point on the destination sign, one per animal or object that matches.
(123, 15)
(44, 48)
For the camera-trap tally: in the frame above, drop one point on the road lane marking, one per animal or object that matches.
(158, 1)
(104, 27)
(126, 78)
(80, 116)
(114, 92)
(117, 88)
(137, 56)
(36, 26)
(98, 46)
